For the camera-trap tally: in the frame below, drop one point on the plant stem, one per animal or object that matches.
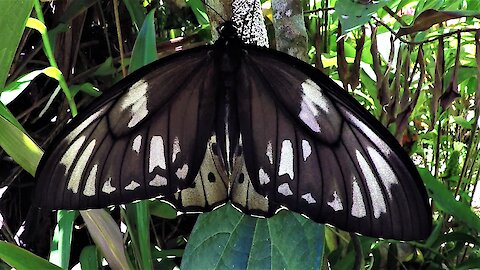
(51, 59)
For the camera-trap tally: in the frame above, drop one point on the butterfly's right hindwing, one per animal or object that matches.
(145, 138)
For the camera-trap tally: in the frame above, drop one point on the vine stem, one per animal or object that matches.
(51, 59)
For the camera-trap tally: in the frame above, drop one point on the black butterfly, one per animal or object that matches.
(242, 123)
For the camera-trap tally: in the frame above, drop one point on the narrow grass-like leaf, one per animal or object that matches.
(162, 209)
(228, 239)
(62, 238)
(5, 112)
(13, 17)
(144, 50)
(444, 200)
(141, 231)
(107, 237)
(198, 9)
(19, 146)
(136, 11)
(22, 259)
(15, 88)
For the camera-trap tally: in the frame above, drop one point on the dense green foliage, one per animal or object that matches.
(413, 64)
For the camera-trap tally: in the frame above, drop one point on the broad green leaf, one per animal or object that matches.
(107, 237)
(13, 17)
(228, 239)
(353, 14)
(62, 238)
(19, 146)
(144, 50)
(90, 258)
(445, 201)
(21, 259)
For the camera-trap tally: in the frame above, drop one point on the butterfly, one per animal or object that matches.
(240, 123)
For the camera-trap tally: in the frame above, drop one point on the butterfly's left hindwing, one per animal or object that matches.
(145, 138)
(312, 148)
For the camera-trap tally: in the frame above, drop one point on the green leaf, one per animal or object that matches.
(228, 239)
(87, 88)
(198, 9)
(75, 8)
(107, 237)
(162, 209)
(106, 68)
(15, 88)
(461, 121)
(13, 17)
(62, 238)
(19, 146)
(445, 201)
(90, 258)
(352, 14)
(136, 11)
(141, 231)
(145, 49)
(10, 117)
(21, 259)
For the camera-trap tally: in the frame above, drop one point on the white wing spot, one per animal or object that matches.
(107, 186)
(336, 203)
(309, 198)
(285, 189)
(286, 159)
(71, 153)
(387, 176)
(312, 103)
(181, 173)
(263, 177)
(269, 152)
(378, 201)
(137, 143)
(158, 181)
(314, 94)
(176, 149)
(308, 114)
(77, 172)
(358, 205)
(132, 186)
(384, 148)
(157, 154)
(89, 189)
(306, 149)
(136, 100)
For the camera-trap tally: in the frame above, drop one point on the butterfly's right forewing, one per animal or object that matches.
(145, 138)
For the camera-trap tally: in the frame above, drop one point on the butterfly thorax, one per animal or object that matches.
(227, 55)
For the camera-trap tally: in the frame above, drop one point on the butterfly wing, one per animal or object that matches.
(146, 137)
(310, 147)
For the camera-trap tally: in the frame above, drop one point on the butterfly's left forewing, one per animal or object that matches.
(310, 147)
(145, 138)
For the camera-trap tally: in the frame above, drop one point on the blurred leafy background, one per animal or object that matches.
(413, 64)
